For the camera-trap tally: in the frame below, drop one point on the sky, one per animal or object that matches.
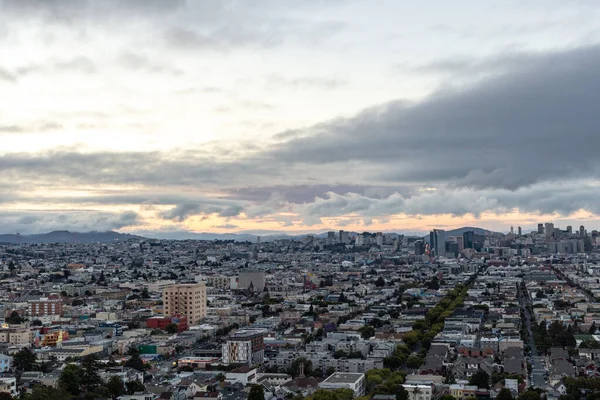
(264, 116)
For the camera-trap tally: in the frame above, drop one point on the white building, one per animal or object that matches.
(418, 392)
(340, 380)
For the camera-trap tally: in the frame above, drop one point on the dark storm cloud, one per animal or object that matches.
(536, 123)
(181, 212)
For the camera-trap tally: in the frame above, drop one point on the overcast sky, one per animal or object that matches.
(299, 115)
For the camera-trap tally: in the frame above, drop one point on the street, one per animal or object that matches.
(537, 379)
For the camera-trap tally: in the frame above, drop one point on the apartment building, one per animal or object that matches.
(244, 347)
(188, 300)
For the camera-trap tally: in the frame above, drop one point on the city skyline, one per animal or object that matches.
(166, 116)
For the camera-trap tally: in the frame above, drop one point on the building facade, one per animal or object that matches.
(244, 347)
(188, 300)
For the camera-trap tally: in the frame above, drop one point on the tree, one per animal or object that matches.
(414, 362)
(48, 393)
(14, 318)
(447, 397)
(481, 379)
(402, 394)
(367, 332)
(71, 379)
(330, 371)
(337, 394)
(295, 368)
(172, 328)
(394, 363)
(134, 361)
(24, 360)
(135, 386)
(37, 322)
(380, 282)
(256, 393)
(530, 395)
(145, 294)
(90, 378)
(5, 396)
(115, 386)
(504, 394)
(449, 379)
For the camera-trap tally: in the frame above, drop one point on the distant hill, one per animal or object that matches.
(68, 237)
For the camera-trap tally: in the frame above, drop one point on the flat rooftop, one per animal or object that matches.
(343, 377)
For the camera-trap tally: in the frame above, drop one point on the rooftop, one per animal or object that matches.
(344, 377)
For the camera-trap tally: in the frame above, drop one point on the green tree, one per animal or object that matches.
(135, 386)
(115, 386)
(36, 322)
(530, 395)
(145, 294)
(90, 378)
(504, 394)
(172, 328)
(330, 371)
(5, 396)
(414, 362)
(256, 393)
(24, 360)
(135, 361)
(402, 394)
(380, 282)
(337, 394)
(48, 393)
(481, 379)
(447, 397)
(394, 363)
(295, 368)
(71, 379)
(14, 318)
(367, 332)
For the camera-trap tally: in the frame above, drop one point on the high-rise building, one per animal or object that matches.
(185, 299)
(244, 347)
(437, 242)
(359, 240)
(540, 229)
(582, 231)
(569, 229)
(419, 247)
(549, 229)
(344, 237)
(520, 232)
(468, 239)
(512, 230)
(379, 238)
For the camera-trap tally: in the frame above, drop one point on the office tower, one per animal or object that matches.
(468, 239)
(254, 280)
(419, 247)
(185, 299)
(359, 240)
(582, 231)
(379, 238)
(344, 237)
(437, 242)
(519, 231)
(569, 229)
(549, 229)
(512, 230)
(258, 240)
(244, 347)
(540, 229)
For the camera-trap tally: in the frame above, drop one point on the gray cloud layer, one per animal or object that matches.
(503, 142)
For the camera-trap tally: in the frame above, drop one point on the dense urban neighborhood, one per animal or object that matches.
(463, 314)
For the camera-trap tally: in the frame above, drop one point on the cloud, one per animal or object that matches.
(181, 212)
(226, 226)
(40, 221)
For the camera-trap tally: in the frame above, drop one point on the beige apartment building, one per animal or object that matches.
(185, 299)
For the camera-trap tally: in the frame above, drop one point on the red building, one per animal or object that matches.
(162, 322)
